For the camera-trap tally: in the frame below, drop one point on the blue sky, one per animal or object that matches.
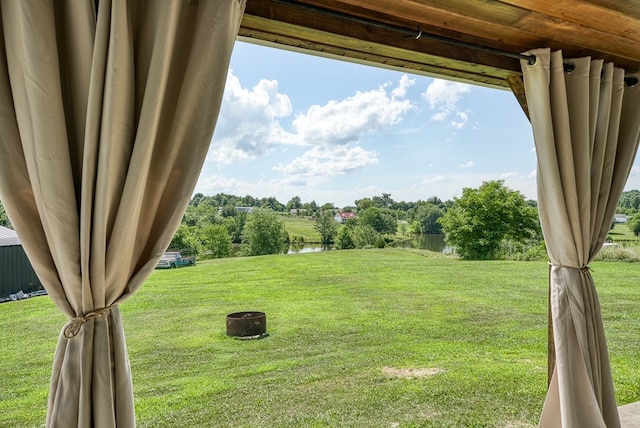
(293, 124)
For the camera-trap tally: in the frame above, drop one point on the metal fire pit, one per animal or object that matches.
(247, 325)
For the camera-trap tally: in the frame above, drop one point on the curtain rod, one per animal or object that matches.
(531, 59)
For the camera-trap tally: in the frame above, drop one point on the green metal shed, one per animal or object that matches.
(16, 272)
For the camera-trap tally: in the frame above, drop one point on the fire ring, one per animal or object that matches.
(247, 325)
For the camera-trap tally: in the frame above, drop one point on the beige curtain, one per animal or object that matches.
(586, 125)
(105, 121)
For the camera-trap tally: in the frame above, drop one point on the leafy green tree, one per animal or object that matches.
(311, 207)
(185, 239)
(345, 241)
(326, 226)
(264, 233)
(216, 241)
(482, 218)
(434, 200)
(203, 212)
(235, 226)
(382, 220)
(248, 201)
(272, 203)
(229, 211)
(633, 223)
(4, 219)
(294, 203)
(364, 235)
(630, 200)
(364, 203)
(384, 201)
(196, 199)
(425, 219)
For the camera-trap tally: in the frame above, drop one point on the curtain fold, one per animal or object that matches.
(105, 122)
(586, 125)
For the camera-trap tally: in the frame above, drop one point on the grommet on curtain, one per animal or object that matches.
(569, 67)
(72, 328)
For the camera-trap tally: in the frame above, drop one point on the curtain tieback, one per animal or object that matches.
(583, 269)
(72, 328)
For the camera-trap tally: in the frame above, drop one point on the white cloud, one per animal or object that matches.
(346, 121)
(507, 175)
(533, 174)
(444, 97)
(463, 118)
(217, 183)
(335, 128)
(433, 180)
(403, 85)
(321, 161)
(248, 124)
(469, 164)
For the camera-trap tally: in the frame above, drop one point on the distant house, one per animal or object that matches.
(343, 216)
(620, 218)
(16, 272)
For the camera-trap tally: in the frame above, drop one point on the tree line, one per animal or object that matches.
(488, 222)
(483, 223)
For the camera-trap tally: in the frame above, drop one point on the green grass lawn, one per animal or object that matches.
(358, 338)
(301, 226)
(621, 232)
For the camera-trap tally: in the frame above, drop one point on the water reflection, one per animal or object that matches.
(307, 248)
(426, 242)
(422, 242)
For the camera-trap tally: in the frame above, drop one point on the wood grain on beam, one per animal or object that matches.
(533, 28)
(280, 23)
(586, 15)
(517, 87)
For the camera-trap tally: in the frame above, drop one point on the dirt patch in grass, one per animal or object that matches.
(411, 373)
(519, 425)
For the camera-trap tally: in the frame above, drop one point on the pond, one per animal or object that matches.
(423, 242)
(426, 242)
(307, 248)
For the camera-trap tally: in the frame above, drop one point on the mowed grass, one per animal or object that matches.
(357, 338)
(301, 226)
(622, 232)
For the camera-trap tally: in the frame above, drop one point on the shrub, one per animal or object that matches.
(619, 253)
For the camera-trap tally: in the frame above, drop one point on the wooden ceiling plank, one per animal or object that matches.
(535, 30)
(585, 15)
(602, 44)
(496, 12)
(626, 7)
(451, 22)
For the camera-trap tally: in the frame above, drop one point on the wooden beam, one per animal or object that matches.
(287, 24)
(516, 84)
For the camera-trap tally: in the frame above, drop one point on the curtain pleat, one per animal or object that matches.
(586, 125)
(105, 121)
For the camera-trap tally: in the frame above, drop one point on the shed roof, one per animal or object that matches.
(8, 237)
